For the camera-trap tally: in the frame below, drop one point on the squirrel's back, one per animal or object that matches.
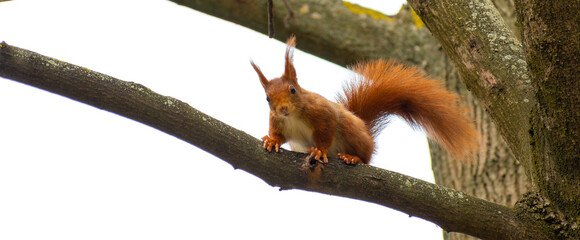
(384, 87)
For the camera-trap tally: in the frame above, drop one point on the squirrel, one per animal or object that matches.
(347, 128)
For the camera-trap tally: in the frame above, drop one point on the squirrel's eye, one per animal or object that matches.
(292, 90)
(267, 99)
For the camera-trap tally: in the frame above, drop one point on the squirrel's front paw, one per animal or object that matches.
(271, 142)
(317, 153)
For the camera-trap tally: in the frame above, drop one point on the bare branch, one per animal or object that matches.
(270, 18)
(452, 210)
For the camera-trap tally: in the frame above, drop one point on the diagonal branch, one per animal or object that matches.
(452, 210)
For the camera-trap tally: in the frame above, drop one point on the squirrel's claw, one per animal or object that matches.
(271, 142)
(317, 153)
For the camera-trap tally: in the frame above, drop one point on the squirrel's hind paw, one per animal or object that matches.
(349, 159)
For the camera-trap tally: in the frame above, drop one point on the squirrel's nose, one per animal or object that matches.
(283, 110)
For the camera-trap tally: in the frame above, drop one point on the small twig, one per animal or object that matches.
(287, 19)
(270, 19)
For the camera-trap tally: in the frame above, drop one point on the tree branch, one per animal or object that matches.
(337, 31)
(532, 109)
(452, 210)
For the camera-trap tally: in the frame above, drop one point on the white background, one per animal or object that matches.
(71, 171)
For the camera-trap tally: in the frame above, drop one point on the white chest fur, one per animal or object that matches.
(298, 134)
(300, 137)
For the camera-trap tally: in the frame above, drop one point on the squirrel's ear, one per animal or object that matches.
(289, 71)
(263, 79)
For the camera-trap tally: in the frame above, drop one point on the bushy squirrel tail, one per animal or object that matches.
(382, 88)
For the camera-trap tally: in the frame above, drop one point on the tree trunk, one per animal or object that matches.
(551, 36)
(495, 175)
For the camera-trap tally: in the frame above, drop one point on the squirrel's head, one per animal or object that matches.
(282, 93)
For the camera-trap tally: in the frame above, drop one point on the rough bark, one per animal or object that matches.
(451, 209)
(552, 46)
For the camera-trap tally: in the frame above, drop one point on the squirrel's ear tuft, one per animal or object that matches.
(289, 71)
(291, 42)
(263, 79)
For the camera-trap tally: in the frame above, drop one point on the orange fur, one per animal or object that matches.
(313, 124)
(383, 88)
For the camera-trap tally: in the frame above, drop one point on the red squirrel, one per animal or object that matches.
(347, 129)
